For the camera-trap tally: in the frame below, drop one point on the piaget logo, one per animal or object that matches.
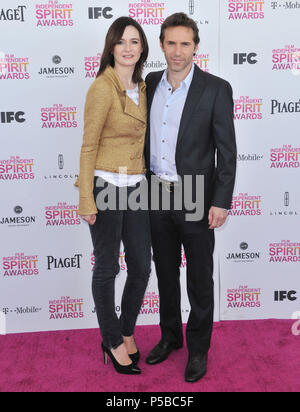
(15, 14)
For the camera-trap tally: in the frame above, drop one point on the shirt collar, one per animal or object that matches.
(186, 82)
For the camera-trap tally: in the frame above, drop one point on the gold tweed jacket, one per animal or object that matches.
(114, 134)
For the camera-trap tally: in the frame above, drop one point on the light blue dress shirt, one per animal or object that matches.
(165, 119)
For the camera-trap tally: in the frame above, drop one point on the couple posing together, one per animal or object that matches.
(173, 125)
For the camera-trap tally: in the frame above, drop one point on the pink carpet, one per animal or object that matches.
(246, 356)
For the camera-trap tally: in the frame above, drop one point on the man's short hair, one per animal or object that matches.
(180, 19)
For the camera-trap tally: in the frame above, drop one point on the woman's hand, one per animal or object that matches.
(90, 219)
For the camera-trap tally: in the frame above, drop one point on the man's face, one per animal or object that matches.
(179, 48)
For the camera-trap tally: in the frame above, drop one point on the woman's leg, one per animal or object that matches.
(106, 236)
(136, 236)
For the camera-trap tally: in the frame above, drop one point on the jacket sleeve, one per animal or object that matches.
(97, 106)
(225, 143)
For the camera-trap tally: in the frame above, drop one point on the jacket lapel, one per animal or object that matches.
(138, 112)
(194, 95)
(151, 88)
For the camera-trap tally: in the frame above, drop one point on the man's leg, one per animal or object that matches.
(199, 249)
(167, 257)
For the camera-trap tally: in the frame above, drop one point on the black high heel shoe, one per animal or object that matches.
(135, 357)
(131, 369)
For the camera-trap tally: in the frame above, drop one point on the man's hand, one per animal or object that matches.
(90, 219)
(217, 217)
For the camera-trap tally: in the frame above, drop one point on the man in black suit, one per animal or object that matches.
(190, 121)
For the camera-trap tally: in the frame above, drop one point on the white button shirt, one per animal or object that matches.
(165, 119)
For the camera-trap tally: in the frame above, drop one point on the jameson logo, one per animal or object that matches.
(20, 265)
(244, 256)
(17, 221)
(16, 14)
(56, 71)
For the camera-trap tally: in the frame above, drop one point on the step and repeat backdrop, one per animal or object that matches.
(49, 56)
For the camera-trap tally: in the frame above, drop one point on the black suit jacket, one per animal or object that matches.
(206, 129)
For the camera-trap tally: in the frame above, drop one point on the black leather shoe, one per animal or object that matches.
(161, 352)
(196, 368)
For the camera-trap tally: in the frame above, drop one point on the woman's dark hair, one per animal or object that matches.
(113, 36)
(180, 19)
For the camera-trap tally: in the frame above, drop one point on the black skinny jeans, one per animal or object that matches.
(133, 229)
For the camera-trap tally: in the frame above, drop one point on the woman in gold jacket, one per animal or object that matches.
(112, 163)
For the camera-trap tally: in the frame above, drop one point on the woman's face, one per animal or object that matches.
(129, 49)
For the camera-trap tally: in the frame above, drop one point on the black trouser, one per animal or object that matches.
(169, 232)
(133, 229)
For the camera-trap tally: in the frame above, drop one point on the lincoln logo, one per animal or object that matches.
(286, 199)
(60, 161)
(192, 7)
